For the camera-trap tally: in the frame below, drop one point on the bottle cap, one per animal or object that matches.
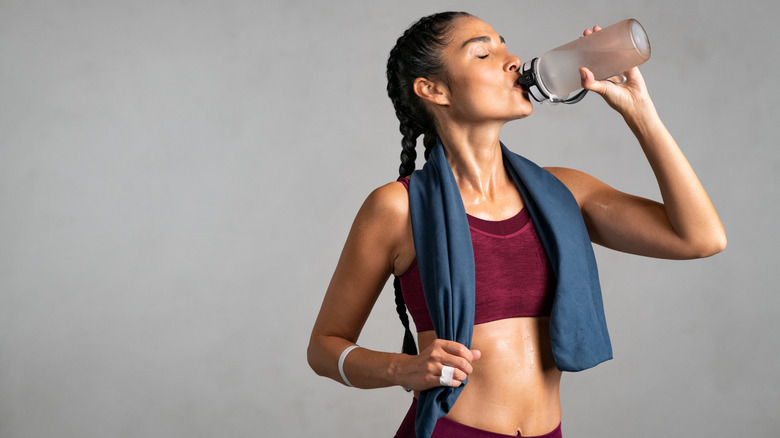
(531, 81)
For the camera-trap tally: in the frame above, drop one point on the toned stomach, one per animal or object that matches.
(514, 388)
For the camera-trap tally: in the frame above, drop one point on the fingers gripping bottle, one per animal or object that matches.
(606, 53)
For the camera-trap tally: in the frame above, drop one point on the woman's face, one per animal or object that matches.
(482, 75)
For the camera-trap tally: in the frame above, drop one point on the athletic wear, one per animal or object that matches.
(446, 428)
(512, 273)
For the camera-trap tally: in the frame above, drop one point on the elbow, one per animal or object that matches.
(311, 357)
(711, 246)
(721, 243)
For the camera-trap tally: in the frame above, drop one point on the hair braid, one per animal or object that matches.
(408, 145)
(429, 141)
(417, 54)
(409, 346)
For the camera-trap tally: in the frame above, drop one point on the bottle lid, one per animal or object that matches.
(532, 82)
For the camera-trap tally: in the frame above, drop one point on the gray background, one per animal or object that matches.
(177, 180)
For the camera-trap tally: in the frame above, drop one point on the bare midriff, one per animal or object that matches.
(514, 387)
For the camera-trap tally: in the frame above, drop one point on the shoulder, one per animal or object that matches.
(384, 226)
(385, 213)
(390, 201)
(579, 183)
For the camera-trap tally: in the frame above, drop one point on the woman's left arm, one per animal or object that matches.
(685, 226)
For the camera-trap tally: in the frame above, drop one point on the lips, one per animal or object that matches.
(518, 83)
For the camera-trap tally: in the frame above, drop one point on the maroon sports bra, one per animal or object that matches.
(513, 275)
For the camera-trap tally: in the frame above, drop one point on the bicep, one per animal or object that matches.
(630, 224)
(622, 221)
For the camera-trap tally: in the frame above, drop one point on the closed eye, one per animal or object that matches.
(482, 39)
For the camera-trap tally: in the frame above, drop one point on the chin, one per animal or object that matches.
(527, 111)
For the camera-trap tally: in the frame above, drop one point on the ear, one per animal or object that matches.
(432, 91)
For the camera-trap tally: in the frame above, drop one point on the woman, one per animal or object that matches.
(451, 79)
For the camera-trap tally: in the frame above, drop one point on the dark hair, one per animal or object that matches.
(417, 54)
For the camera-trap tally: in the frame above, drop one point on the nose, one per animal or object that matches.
(512, 63)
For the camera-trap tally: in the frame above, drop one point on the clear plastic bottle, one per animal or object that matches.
(606, 53)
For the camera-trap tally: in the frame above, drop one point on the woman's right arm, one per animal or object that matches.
(379, 240)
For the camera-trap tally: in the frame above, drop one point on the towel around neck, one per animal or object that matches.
(442, 241)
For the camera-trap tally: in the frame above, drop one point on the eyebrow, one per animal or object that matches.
(482, 39)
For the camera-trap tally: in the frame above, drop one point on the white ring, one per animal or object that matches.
(446, 376)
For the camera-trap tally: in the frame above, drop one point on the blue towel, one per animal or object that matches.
(442, 241)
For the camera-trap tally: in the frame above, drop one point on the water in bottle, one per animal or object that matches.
(606, 53)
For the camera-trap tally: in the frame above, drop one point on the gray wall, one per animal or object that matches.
(177, 180)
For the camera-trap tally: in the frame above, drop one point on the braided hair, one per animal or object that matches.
(417, 54)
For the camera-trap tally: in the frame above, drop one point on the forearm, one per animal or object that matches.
(691, 215)
(363, 367)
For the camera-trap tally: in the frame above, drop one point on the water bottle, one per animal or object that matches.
(606, 53)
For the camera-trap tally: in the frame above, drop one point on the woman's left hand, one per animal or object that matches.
(685, 226)
(629, 98)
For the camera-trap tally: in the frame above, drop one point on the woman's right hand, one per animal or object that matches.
(422, 371)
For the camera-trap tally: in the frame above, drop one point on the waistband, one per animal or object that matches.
(446, 428)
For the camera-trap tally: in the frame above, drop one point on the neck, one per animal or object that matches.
(476, 159)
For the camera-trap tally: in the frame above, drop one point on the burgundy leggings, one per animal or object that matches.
(446, 428)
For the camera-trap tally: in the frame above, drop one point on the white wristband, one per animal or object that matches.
(341, 363)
